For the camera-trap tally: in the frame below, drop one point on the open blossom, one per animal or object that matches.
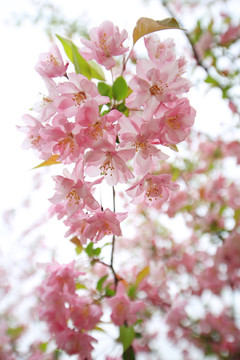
(94, 127)
(135, 133)
(62, 138)
(51, 64)
(74, 195)
(34, 140)
(176, 122)
(155, 85)
(124, 310)
(151, 189)
(75, 92)
(104, 159)
(106, 42)
(46, 108)
(160, 51)
(103, 223)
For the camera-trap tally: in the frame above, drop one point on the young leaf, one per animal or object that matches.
(120, 89)
(88, 69)
(142, 274)
(126, 336)
(146, 26)
(129, 354)
(51, 161)
(100, 282)
(105, 89)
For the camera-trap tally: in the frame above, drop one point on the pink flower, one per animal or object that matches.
(75, 92)
(136, 133)
(34, 140)
(160, 52)
(152, 189)
(155, 85)
(104, 159)
(74, 195)
(124, 311)
(106, 42)
(51, 64)
(103, 223)
(175, 124)
(84, 314)
(94, 126)
(62, 138)
(74, 342)
(232, 34)
(46, 107)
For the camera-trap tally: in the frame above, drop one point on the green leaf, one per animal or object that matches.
(79, 286)
(89, 69)
(142, 274)
(97, 251)
(105, 89)
(120, 89)
(43, 347)
(51, 161)
(126, 336)
(14, 333)
(89, 249)
(146, 26)
(123, 109)
(100, 282)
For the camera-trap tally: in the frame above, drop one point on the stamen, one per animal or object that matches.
(79, 97)
(73, 196)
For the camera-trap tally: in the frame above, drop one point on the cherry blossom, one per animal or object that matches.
(51, 64)
(106, 42)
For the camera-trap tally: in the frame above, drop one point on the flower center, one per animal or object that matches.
(107, 165)
(79, 97)
(141, 145)
(73, 196)
(97, 130)
(173, 122)
(53, 60)
(103, 46)
(153, 191)
(67, 142)
(158, 88)
(34, 140)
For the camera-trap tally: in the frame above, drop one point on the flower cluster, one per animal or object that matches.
(80, 125)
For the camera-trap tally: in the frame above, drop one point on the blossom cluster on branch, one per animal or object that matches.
(114, 134)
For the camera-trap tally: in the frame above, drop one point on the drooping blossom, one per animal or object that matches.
(124, 310)
(75, 92)
(51, 64)
(103, 223)
(104, 159)
(152, 189)
(105, 42)
(74, 195)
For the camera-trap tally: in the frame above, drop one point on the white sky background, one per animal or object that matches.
(20, 86)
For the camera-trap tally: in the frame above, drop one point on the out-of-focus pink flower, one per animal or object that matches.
(205, 43)
(152, 189)
(232, 34)
(106, 42)
(124, 311)
(51, 64)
